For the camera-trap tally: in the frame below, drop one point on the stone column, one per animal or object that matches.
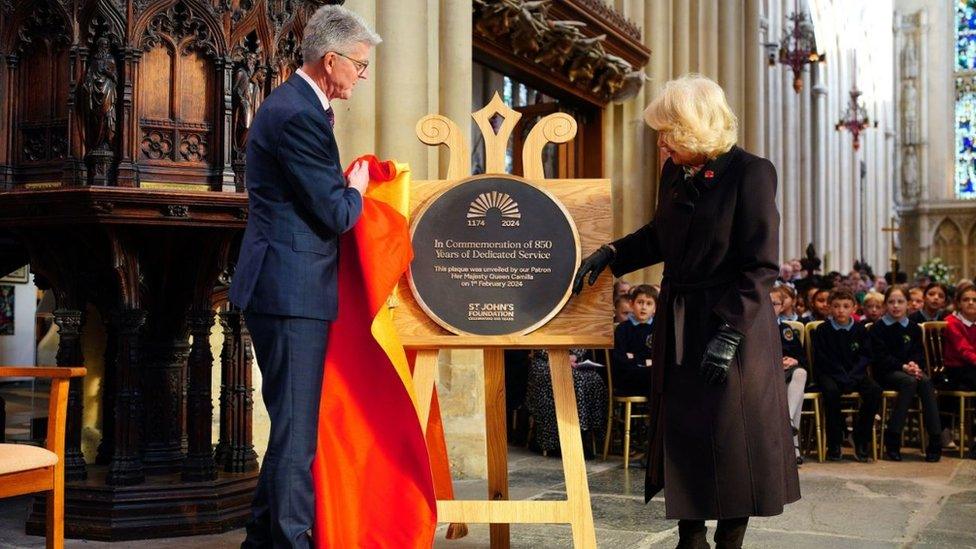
(709, 25)
(125, 467)
(733, 49)
(635, 132)
(357, 119)
(455, 74)
(806, 164)
(818, 153)
(401, 81)
(681, 43)
(69, 323)
(789, 168)
(199, 463)
(753, 119)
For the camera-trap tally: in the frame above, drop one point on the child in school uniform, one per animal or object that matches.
(916, 299)
(873, 307)
(897, 359)
(840, 360)
(959, 347)
(933, 304)
(794, 365)
(632, 342)
(621, 308)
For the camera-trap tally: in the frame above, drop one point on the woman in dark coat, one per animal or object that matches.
(720, 440)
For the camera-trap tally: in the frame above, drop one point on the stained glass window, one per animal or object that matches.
(965, 98)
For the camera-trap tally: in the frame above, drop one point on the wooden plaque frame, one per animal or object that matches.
(584, 322)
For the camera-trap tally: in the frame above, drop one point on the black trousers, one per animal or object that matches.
(291, 355)
(632, 382)
(863, 422)
(961, 379)
(908, 387)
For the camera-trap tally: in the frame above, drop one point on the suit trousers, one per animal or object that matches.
(831, 392)
(291, 356)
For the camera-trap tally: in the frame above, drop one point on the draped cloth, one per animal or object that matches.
(372, 473)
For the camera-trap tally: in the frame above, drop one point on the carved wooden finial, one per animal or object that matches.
(556, 128)
(497, 121)
(434, 129)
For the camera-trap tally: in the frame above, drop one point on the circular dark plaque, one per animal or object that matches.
(493, 255)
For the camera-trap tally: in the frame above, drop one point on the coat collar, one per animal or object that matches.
(687, 191)
(710, 174)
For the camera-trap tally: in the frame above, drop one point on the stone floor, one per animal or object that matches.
(848, 504)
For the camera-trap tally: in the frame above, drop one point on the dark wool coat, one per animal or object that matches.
(718, 451)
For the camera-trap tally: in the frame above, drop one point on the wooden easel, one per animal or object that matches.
(585, 322)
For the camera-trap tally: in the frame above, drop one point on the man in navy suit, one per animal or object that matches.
(285, 281)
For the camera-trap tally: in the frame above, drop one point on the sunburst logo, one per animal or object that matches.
(502, 202)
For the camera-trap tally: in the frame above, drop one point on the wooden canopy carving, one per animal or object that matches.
(583, 47)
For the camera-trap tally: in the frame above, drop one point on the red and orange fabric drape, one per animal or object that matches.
(374, 478)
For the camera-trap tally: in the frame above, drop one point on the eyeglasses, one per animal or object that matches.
(361, 66)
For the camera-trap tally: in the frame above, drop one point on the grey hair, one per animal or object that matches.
(335, 28)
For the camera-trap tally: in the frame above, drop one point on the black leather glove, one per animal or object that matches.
(718, 355)
(593, 264)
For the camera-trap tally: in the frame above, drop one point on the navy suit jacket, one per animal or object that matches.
(299, 205)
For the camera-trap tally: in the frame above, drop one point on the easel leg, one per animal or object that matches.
(497, 439)
(424, 369)
(574, 466)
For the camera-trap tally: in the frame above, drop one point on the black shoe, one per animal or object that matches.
(833, 454)
(934, 452)
(892, 447)
(799, 460)
(933, 457)
(972, 451)
(862, 453)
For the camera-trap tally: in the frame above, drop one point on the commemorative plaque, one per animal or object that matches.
(493, 255)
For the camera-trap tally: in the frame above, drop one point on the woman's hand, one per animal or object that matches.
(789, 362)
(593, 265)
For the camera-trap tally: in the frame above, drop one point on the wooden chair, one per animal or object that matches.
(810, 396)
(628, 415)
(933, 342)
(852, 396)
(26, 469)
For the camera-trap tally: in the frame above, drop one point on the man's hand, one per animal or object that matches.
(358, 178)
(789, 362)
(594, 265)
(718, 355)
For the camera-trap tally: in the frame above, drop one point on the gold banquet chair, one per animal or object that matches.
(851, 397)
(811, 396)
(26, 469)
(614, 404)
(933, 342)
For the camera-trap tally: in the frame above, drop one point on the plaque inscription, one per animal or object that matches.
(493, 255)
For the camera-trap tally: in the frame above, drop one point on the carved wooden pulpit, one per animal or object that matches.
(123, 125)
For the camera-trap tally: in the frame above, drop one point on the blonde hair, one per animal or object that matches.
(873, 296)
(693, 116)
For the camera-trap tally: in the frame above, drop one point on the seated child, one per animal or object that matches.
(933, 304)
(794, 366)
(818, 306)
(872, 307)
(959, 347)
(840, 359)
(897, 356)
(787, 297)
(632, 339)
(621, 308)
(916, 300)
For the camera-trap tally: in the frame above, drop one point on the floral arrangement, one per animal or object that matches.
(936, 270)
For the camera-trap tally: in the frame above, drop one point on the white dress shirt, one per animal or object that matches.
(315, 87)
